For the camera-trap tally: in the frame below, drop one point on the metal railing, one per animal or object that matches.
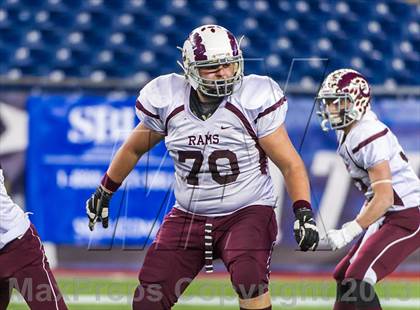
(131, 85)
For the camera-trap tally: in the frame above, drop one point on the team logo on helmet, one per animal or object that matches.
(344, 97)
(199, 48)
(210, 45)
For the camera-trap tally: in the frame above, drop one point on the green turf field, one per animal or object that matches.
(218, 294)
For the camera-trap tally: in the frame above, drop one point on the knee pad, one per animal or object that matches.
(247, 280)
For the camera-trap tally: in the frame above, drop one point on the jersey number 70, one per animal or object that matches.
(197, 156)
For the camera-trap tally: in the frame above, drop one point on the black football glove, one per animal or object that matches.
(306, 232)
(97, 208)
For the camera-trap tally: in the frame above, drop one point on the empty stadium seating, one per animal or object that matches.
(132, 38)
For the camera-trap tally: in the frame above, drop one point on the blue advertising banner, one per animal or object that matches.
(72, 139)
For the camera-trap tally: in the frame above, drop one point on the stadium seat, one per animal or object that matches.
(113, 5)
(381, 44)
(352, 27)
(361, 8)
(85, 21)
(345, 32)
(67, 5)
(53, 19)
(376, 68)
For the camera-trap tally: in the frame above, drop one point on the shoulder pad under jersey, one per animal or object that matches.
(258, 92)
(163, 90)
(366, 130)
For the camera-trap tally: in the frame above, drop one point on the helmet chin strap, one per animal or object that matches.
(354, 114)
(217, 90)
(324, 125)
(336, 121)
(208, 98)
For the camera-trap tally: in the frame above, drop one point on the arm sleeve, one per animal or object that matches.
(148, 114)
(273, 112)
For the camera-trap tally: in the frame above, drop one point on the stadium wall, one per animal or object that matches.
(60, 143)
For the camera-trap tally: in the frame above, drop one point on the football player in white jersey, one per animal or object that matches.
(390, 217)
(219, 126)
(23, 264)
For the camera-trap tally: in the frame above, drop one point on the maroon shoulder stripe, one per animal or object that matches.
(143, 109)
(274, 107)
(251, 132)
(172, 114)
(369, 140)
(243, 119)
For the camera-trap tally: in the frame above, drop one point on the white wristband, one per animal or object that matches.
(352, 229)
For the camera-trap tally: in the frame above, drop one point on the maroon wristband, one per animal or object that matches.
(109, 184)
(301, 204)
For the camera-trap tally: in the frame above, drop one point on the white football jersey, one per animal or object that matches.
(219, 165)
(370, 142)
(13, 221)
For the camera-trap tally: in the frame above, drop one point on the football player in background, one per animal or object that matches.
(23, 264)
(219, 127)
(390, 217)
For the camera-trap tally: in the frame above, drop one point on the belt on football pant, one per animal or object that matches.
(208, 247)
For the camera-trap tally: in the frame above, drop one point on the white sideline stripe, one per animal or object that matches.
(44, 258)
(392, 244)
(291, 302)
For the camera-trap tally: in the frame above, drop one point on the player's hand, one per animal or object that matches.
(339, 238)
(97, 208)
(306, 232)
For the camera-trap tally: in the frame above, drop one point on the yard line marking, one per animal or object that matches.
(294, 301)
